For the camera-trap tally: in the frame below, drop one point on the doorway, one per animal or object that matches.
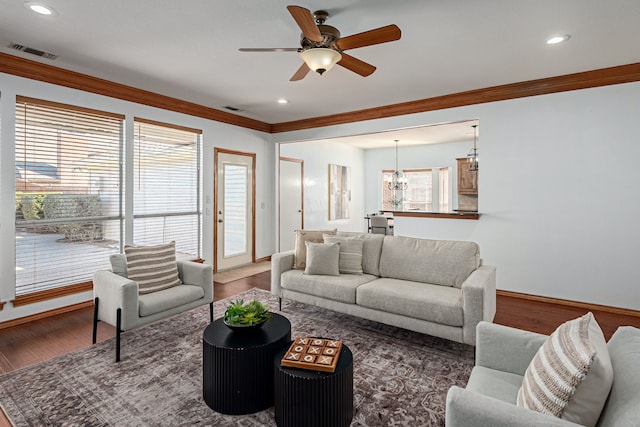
(291, 201)
(234, 195)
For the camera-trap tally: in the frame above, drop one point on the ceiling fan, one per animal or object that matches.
(321, 46)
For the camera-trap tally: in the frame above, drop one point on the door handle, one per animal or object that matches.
(220, 220)
(299, 210)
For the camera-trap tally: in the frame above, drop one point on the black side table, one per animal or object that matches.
(237, 367)
(312, 398)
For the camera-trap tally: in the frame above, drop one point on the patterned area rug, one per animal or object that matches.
(400, 377)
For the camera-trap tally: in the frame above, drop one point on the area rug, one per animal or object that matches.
(400, 377)
(227, 276)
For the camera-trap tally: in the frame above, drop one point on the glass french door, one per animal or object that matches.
(234, 216)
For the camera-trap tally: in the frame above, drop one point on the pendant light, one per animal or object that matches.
(472, 157)
(398, 181)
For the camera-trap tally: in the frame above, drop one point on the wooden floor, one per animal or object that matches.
(40, 340)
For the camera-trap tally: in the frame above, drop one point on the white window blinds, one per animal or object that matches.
(68, 200)
(166, 200)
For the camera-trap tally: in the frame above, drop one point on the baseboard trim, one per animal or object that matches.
(570, 303)
(510, 294)
(266, 258)
(45, 314)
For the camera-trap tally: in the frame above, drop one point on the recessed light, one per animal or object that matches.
(558, 39)
(40, 8)
(282, 101)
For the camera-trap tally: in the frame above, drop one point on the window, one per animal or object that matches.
(68, 209)
(235, 203)
(445, 190)
(166, 181)
(419, 194)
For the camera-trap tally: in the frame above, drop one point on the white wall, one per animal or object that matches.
(215, 134)
(557, 191)
(317, 157)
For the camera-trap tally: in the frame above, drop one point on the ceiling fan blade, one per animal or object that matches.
(379, 35)
(300, 74)
(356, 65)
(305, 21)
(267, 49)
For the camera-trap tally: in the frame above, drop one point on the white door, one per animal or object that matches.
(291, 201)
(234, 216)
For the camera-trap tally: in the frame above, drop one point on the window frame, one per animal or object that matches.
(387, 204)
(66, 113)
(138, 123)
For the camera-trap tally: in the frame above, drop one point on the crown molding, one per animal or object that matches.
(22, 67)
(588, 79)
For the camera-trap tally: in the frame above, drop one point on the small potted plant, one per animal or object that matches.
(242, 317)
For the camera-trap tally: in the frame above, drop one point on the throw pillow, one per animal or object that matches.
(350, 261)
(302, 236)
(322, 258)
(153, 267)
(118, 264)
(571, 374)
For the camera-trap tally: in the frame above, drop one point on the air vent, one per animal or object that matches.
(230, 108)
(33, 51)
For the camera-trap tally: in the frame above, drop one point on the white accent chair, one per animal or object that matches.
(502, 357)
(118, 303)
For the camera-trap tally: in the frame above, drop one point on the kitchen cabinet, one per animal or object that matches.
(467, 179)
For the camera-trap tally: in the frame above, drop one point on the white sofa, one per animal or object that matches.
(435, 287)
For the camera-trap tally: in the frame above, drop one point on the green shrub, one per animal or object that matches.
(57, 205)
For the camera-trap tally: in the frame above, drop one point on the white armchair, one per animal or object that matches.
(502, 357)
(118, 302)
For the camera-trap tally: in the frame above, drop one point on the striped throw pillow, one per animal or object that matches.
(153, 267)
(571, 374)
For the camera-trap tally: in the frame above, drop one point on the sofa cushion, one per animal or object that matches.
(153, 267)
(493, 383)
(438, 262)
(322, 258)
(167, 299)
(302, 236)
(371, 249)
(623, 405)
(433, 303)
(571, 374)
(338, 288)
(350, 261)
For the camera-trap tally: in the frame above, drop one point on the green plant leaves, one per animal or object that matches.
(240, 314)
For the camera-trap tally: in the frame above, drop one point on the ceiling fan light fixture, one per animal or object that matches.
(320, 59)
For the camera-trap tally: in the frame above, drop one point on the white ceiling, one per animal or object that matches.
(189, 49)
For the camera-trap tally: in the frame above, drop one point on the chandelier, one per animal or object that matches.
(397, 181)
(472, 157)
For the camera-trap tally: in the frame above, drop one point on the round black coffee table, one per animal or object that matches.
(312, 398)
(237, 367)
